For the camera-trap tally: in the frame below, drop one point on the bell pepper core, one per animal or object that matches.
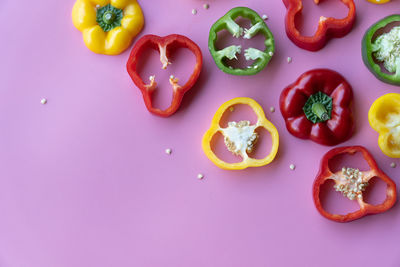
(240, 137)
(317, 107)
(327, 27)
(108, 26)
(384, 117)
(258, 27)
(351, 183)
(164, 45)
(383, 49)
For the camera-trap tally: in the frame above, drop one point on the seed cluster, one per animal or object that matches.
(250, 142)
(353, 185)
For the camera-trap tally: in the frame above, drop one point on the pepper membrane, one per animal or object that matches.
(352, 183)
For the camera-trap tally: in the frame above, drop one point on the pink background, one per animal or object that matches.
(85, 181)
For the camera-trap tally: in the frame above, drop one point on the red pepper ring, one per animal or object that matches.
(164, 45)
(327, 27)
(365, 208)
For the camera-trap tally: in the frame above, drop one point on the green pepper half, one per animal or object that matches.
(383, 49)
(258, 27)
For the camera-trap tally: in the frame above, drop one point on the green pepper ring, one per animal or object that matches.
(221, 24)
(367, 54)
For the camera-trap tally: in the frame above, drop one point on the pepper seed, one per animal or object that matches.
(194, 11)
(168, 151)
(43, 101)
(292, 167)
(393, 164)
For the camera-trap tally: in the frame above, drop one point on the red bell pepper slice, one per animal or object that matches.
(318, 107)
(327, 27)
(357, 181)
(164, 45)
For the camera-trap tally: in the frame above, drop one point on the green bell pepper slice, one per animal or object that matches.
(385, 49)
(258, 27)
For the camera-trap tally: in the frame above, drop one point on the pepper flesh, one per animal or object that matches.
(327, 27)
(116, 40)
(258, 27)
(368, 52)
(325, 174)
(384, 117)
(240, 150)
(339, 127)
(164, 45)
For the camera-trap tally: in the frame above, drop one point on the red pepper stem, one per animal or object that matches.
(320, 110)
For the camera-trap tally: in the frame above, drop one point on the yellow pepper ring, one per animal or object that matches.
(261, 122)
(378, 2)
(384, 117)
(108, 26)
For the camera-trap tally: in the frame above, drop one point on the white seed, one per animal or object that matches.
(168, 151)
(43, 101)
(289, 59)
(264, 17)
(359, 196)
(200, 176)
(194, 11)
(292, 167)
(206, 6)
(393, 165)
(172, 77)
(272, 109)
(271, 53)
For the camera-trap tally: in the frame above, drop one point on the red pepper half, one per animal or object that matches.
(317, 107)
(327, 27)
(165, 45)
(352, 182)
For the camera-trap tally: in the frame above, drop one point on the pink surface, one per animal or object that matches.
(85, 181)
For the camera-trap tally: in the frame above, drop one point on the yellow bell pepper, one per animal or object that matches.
(108, 27)
(378, 2)
(384, 117)
(240, 137)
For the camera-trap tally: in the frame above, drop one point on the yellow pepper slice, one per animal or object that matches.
(379, 2)
(240, 136)
(108, 26)
(384, 117)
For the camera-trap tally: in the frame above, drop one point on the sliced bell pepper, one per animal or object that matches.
(379, 2)
(351, 183)
(327, 27)
(317, 107)
(164, 45)
(383, 49)
(108, 27)
(384, 117)
(258, 27)
(240, 137)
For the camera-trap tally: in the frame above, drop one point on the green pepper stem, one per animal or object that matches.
(320, 110)
(108, 17)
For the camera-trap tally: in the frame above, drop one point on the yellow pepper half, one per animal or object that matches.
(240, 137)
(108, 27)
(378, 2)
(384, 117)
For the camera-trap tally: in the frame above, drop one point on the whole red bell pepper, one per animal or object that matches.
(318, 107)
(327, 27)
(351, 183)
(164, 45)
